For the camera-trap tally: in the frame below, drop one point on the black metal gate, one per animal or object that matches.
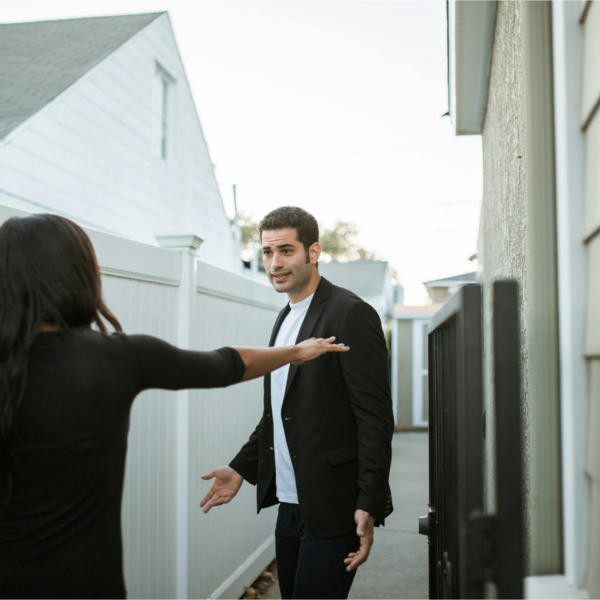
(466, 546)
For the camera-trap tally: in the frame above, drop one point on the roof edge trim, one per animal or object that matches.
(471, 27)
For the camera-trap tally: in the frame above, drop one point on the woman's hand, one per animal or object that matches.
(313, 348)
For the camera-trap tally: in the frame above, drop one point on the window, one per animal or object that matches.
(164, 97)
(163, 113)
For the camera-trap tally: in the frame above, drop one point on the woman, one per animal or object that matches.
(65, 396)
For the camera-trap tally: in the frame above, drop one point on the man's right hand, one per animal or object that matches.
(226, 485)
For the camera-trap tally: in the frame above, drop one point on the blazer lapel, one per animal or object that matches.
(317, 306)
(282, 315)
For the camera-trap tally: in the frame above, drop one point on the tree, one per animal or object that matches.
(249, 229)
(340, 243)
(250, 234)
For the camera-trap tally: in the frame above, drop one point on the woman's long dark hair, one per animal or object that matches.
(48, 275)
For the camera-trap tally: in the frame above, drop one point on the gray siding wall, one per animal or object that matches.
(502, 239)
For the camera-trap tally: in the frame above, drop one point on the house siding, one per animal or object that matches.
(89, 153)
(590, 119)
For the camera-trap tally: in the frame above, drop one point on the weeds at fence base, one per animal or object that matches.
(267, 578)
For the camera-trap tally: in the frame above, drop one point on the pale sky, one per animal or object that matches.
(331, 105)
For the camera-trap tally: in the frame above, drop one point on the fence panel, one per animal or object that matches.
(148, 515)
(232, 544)
(455, 447)
(468, 548)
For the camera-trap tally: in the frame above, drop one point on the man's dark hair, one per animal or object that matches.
(306, 226)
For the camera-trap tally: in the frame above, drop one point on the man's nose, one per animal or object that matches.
(277, 262)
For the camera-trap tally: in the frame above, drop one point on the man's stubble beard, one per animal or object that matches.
(301, 275)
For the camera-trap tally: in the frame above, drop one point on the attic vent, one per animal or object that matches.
(163, 113)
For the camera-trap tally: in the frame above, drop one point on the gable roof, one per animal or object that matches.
(42, 59)
(453, 281)
(366, 278)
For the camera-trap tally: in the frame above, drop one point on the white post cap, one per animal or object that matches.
(180, 241)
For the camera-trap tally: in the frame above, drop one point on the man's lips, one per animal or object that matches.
(280, 276)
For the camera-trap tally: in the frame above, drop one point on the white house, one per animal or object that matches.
(98, 123)
(440, 290)
(369, 279)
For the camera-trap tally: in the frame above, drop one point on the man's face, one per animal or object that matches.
(286, 261)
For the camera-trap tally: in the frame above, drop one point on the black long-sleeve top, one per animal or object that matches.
(60, 535)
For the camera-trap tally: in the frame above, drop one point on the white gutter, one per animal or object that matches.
(471, 27)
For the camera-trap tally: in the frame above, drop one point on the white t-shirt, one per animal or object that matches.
(285, 478)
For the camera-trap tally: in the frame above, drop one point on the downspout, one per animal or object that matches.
(568, 71)
(543, 435)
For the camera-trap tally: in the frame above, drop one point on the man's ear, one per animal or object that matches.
(314, 252)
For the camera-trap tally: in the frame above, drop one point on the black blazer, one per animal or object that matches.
(337, 416)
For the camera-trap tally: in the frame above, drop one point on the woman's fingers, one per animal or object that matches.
(331, 347)
(336, 348)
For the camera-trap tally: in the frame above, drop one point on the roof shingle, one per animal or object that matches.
(40, 60)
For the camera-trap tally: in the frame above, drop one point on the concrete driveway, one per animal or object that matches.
(397, 567)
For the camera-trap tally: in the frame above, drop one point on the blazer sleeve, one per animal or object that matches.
(246, 460)
(366, 376)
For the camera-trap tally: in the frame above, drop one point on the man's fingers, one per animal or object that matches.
(209, 475)
(208, 496)
(358, 559)
(213, 502)
(213, 499)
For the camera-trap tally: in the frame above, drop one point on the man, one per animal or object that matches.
(322, 449)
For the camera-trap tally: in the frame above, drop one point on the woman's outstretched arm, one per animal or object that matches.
(160, 365)
(260, 361)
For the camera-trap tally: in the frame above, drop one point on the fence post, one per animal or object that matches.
(187, 244)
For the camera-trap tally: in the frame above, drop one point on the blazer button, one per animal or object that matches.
(271, 449)
(269, 416)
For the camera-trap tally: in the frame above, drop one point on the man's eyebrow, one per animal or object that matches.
(280, 246)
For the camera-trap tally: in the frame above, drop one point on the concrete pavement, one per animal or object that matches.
(397, 567)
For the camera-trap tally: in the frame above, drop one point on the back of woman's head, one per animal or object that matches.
(48, 275)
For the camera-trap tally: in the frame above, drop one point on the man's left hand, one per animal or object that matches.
(364, 530)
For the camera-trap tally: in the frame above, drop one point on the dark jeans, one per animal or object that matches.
(309, 566)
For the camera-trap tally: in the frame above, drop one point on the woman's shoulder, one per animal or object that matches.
(120, 340)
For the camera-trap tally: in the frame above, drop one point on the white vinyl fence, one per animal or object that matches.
(172, 549)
